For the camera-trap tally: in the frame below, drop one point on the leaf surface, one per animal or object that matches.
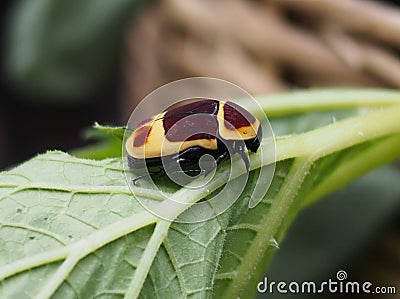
(70, 227)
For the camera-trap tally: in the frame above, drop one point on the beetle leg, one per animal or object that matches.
(245, 159)
(218, 160)
(183, 161)
(221, 158)
(135, 180)
(241, 151)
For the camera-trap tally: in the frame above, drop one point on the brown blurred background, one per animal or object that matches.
(66, 64)
(265, 46)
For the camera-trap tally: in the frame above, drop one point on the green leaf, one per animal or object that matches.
(116, 132)
(70, 226)
(108, 145)
(66, 49)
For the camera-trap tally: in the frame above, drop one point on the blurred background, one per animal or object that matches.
(69, 63)
(66, 64)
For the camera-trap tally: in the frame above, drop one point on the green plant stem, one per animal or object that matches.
(380, 154)
(340, 135)
(326, 99)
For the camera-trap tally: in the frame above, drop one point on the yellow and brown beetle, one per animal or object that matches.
(180, 136)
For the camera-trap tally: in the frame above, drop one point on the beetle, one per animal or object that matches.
(180, 136)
